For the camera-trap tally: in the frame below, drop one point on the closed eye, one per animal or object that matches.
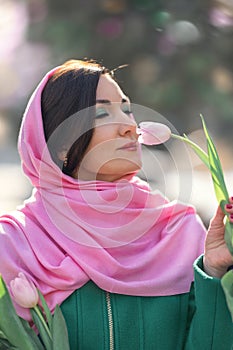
(101, 113)
(127, 110)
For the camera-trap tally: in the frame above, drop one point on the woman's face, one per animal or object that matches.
(114, 150)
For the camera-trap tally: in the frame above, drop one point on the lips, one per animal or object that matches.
(130, 146)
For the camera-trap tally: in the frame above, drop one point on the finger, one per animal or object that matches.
(229, 208)
(231, 218)
(218, 217)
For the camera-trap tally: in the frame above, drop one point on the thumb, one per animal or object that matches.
(217, 219)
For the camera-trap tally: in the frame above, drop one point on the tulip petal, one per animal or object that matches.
(24, 291)
(11, 324)
(153, 133)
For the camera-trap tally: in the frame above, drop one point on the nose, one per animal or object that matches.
(127, 125)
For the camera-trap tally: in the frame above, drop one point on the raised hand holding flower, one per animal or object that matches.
(217, 258)
(219, 242)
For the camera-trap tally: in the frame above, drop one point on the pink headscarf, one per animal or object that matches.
(122, 236)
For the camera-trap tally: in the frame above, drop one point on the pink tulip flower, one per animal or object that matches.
(152, 133)
(24, 291)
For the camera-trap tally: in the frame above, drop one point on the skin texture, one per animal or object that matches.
(114, 151)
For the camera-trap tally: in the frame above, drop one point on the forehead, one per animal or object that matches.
(108, 89)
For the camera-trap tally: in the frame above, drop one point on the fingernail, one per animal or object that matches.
(232, 198)
(231, 216)
(229, 206)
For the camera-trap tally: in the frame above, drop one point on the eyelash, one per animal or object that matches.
(127, 112)
(98, 116)
(105, 114)
(102, 115)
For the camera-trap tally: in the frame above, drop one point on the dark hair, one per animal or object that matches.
(71, 89)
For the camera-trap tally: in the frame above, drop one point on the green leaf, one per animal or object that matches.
(4, 343)
(46, 310)
(219, 184)
(10, 323)
(2, 335)
(216, 169)
(42, 331)
(59, 331)
(32, 334)
(227, 284)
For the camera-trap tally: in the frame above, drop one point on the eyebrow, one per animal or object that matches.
(108, 102)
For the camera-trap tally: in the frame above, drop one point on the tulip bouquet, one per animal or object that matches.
(156, 133)
(16, 333)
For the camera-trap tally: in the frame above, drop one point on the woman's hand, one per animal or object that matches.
(217, 257)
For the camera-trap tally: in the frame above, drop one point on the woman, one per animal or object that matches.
(94, 238)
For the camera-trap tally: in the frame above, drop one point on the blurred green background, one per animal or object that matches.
(180, 56)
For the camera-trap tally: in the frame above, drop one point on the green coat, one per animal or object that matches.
(198, 320)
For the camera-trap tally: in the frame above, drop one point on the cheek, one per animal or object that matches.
(103, 140)
(100, 151)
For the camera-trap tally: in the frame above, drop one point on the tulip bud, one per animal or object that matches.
(152, 133)
(24, 291)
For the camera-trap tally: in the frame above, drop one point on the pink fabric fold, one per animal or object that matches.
(121, 235)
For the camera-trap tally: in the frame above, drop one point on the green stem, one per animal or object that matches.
(187, 140)
(197, 149)
(36, 308)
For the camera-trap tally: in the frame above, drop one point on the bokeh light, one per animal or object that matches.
(145, 69)
(110, 28)
(222, 79)
(221, 17)
(13, 26)
(37, 10)
(114, 6)
(183, 32)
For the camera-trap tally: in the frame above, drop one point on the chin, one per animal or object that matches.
(114, 174)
